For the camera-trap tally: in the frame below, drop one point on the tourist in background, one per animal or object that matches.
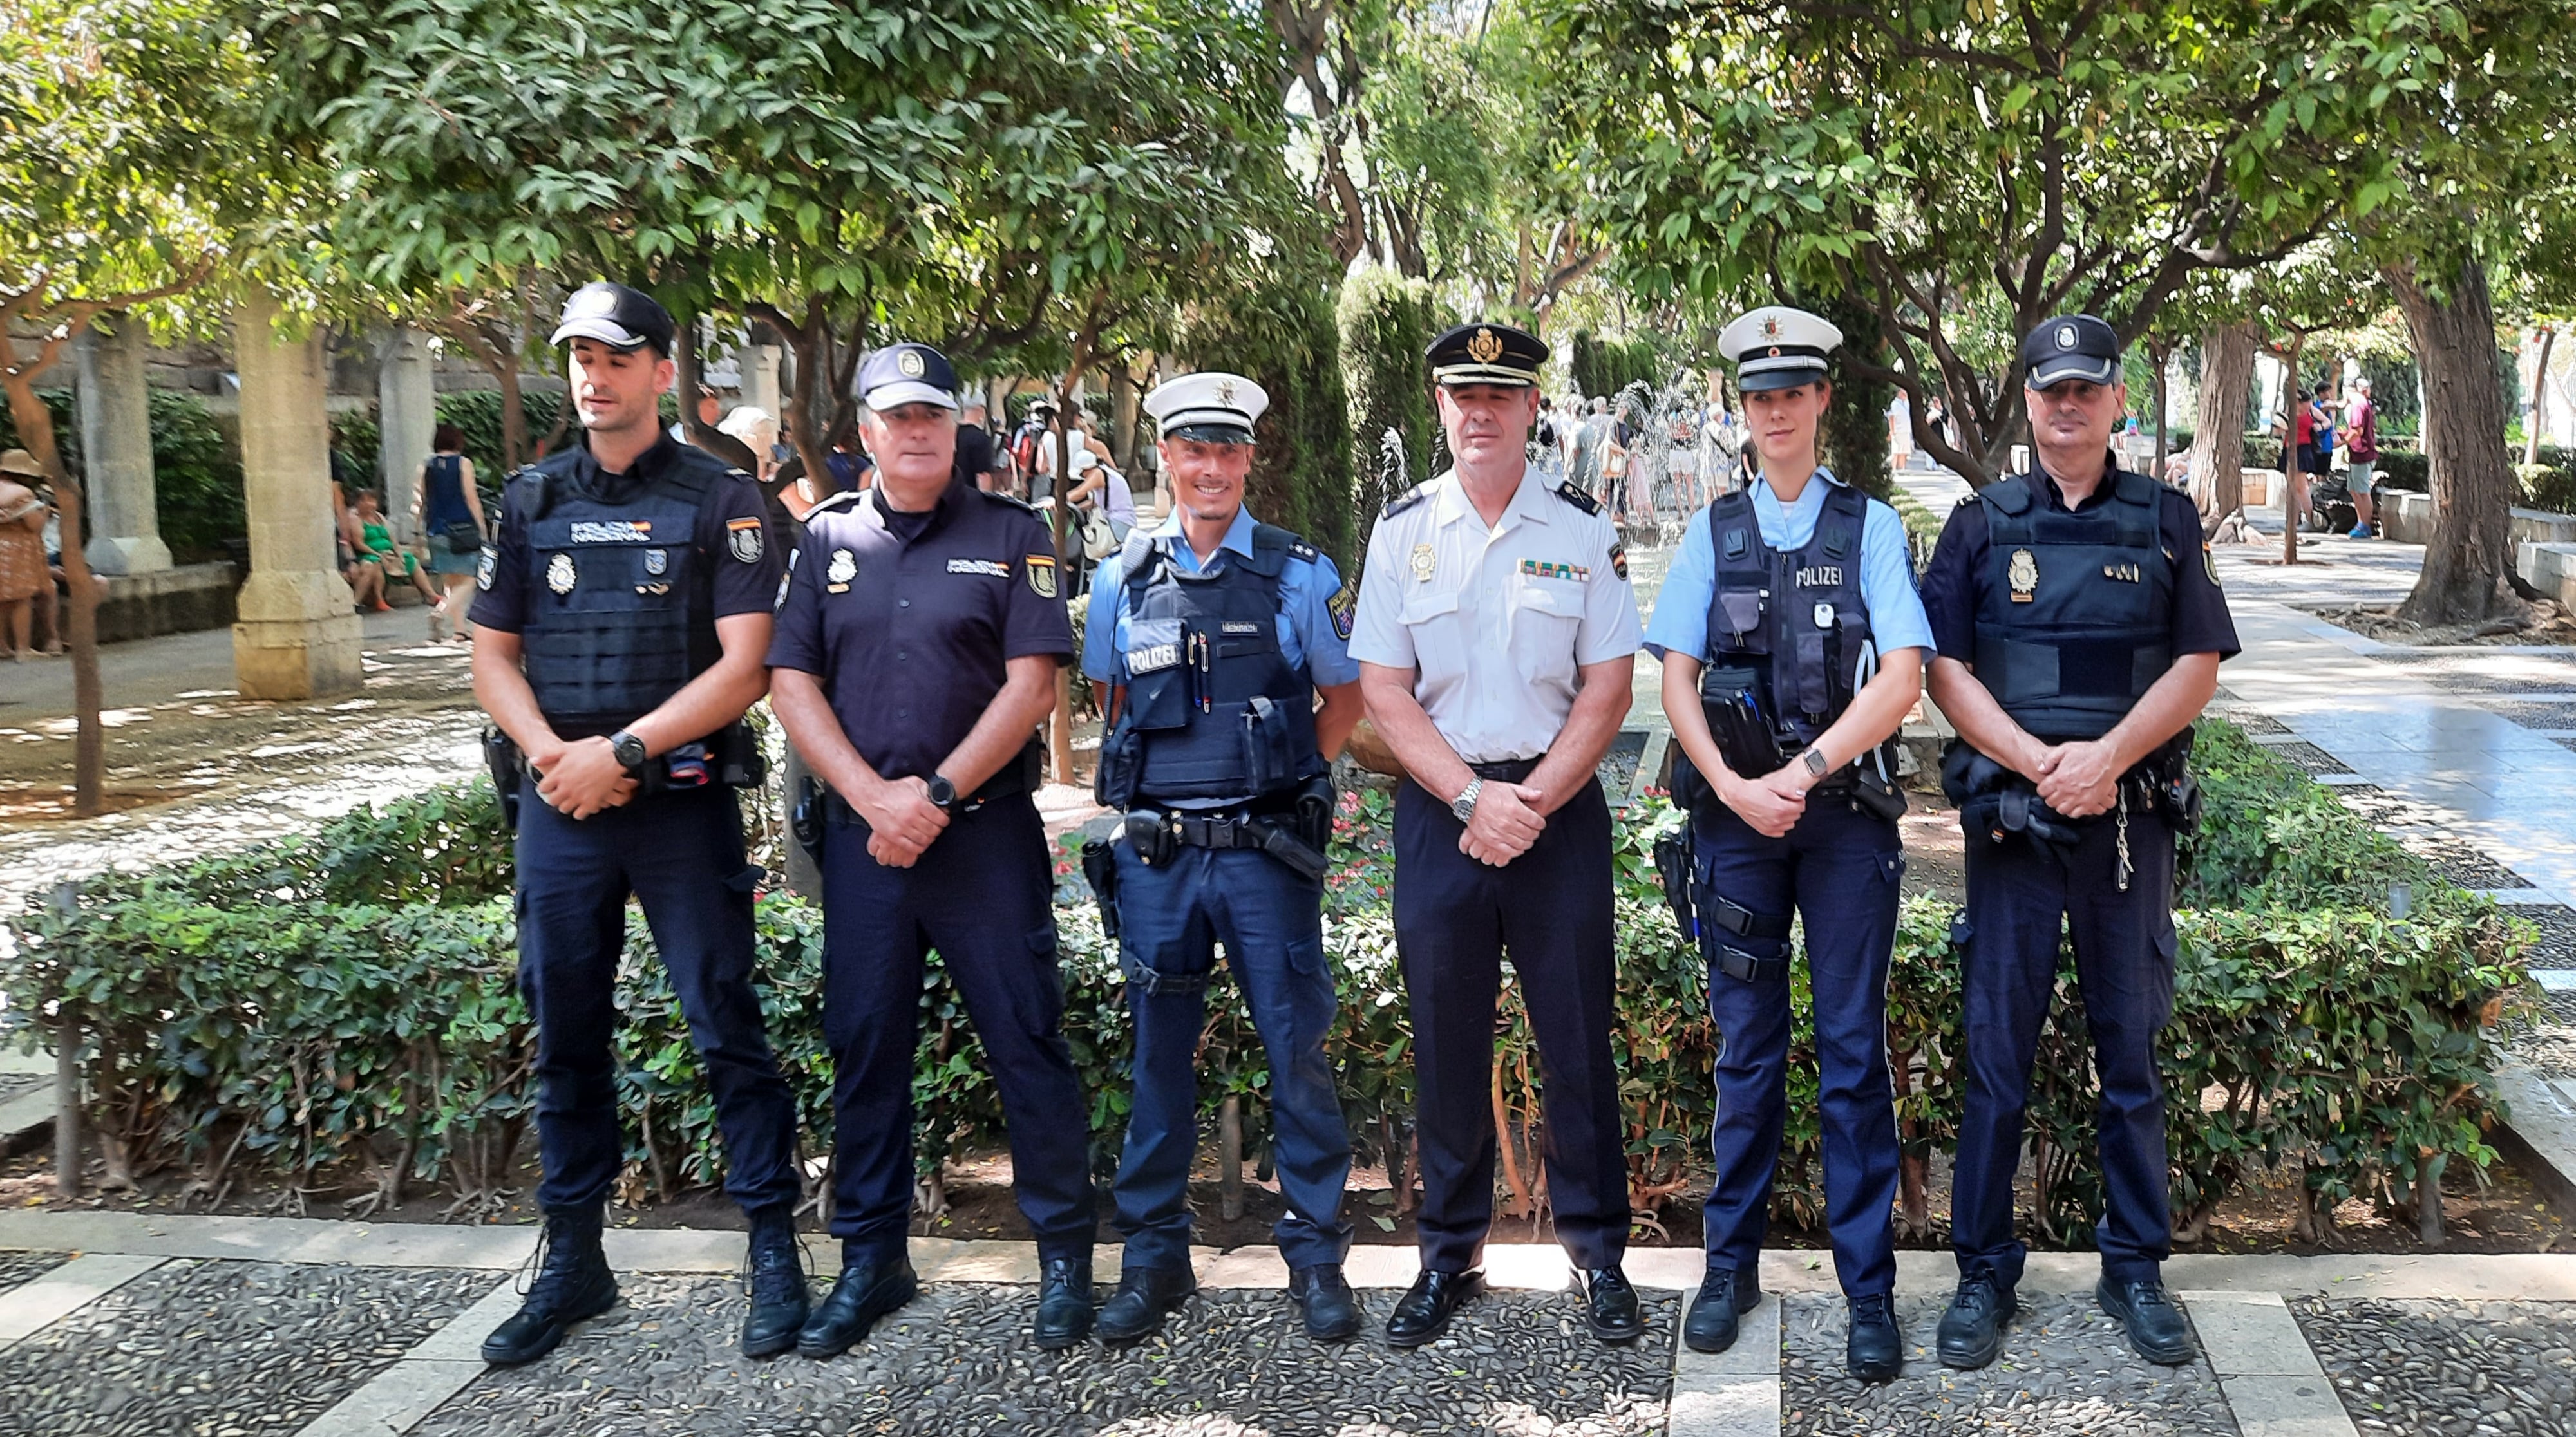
(448, 516)
(23, 573)
(2361, 454)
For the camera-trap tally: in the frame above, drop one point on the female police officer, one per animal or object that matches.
(919, 634)
(1793, 644)
(619, 631)
(1219, 629)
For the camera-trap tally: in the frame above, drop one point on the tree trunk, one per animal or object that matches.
(684, 358)
(2539, 396)
(2218, 428)
(2162, 358)
(2294, 480)
(80, 632)
(2464, 421)
(514, 411)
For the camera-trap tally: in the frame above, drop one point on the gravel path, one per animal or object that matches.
(2547, 1042)
(2307, 758)
(2065, 1372)
(18, 1267)
(14, 1086)
(2448, 1368)
(222, 1347)
(958, 1361)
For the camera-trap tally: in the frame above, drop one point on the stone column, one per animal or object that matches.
(298, 637)
(116, 446)
(406, 417)
(758, 365)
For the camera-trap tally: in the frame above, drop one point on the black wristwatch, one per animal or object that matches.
(943, 794)
(629, 750)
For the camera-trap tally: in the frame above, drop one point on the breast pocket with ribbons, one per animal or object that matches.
(1546, 616)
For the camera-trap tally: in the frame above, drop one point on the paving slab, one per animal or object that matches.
(62, 1288)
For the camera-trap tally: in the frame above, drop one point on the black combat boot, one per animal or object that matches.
(779, 1300)
(2157, 1328)
(1723, 1299)
(1323, 1295)
(1972, 1331)
(869, 1287)
(1064, 1302)
(1874, 1348)
(1144, 1296)
(573, 1282)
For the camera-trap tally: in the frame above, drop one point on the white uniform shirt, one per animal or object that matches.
(1495, 621)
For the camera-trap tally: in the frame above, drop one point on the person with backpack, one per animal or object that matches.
(448, 516)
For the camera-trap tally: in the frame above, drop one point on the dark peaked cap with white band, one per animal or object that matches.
(1487, 354)
(1213, 407)
(1776, 347)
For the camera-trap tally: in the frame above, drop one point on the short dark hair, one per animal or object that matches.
(447, 436)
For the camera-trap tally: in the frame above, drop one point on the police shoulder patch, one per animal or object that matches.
(1619, 560)
(742, 537)
(1406, 500)
(1041, 570)
(1576, 497)
(784, 580)
(1343, 606)
(485, 567)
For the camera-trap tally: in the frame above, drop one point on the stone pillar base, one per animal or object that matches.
(118, 557)
(297, 638)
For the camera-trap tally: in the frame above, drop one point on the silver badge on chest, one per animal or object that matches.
(844, 567)
(559, 575)
(657, 561)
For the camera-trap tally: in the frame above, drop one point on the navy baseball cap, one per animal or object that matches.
(2071, 346)
(902, 374)
(616, 316)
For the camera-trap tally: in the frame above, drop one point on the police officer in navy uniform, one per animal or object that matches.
(1497, 638)
(1219, 631)
(2079, 628)
(919, 635)
(1793, 644)
(620, 633)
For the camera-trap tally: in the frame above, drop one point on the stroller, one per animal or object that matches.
(2330, 506)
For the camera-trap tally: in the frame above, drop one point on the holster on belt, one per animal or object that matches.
(1100, 870)
(1157, 835)
(805, 819)
(1863, 787)
(1673, 866)
(501, 757)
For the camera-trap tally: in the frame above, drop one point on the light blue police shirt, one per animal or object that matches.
(1896, 620)
(1306, 633)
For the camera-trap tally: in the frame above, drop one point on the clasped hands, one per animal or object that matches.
(580, 778)
(1506, 822)
(902, 821)
(2078, 779)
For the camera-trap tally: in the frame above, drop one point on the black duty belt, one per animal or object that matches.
(1510, 770)
(1011, 781)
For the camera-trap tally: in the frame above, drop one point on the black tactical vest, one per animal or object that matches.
(1788, 626)
(1215, 715)
(2075, 619)
(621, 613)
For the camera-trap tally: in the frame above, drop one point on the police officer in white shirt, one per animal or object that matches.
(1496, 637)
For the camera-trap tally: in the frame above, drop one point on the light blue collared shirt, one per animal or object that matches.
(1896, 618)
(1307, 637)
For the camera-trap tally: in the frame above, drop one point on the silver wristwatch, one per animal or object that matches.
(1464, 805)
(1815, 760)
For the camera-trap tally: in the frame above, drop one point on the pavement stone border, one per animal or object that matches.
(2272, 1380)
(65, 1290)
(1735, 1393)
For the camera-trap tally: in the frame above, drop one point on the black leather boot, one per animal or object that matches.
(1423, 1313)
(1610, 1305)
(573, 1282)
(1972, 1331)
(869, 1287)
(1064, 1302)
(2157, 1328)
(1724, 1297)
(1874, 1348)
(1321, 1293)
(1144, 1297)
(779, 1300)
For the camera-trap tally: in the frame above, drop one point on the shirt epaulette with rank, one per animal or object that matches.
(1576, 497)
(1013, 500)
(838, 497)
(1300, 549)
(1408, 499)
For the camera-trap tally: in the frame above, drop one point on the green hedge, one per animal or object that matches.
(2551, 483)
(1386, 322)
(1282, 335)
(342, 1006)
(196, 468)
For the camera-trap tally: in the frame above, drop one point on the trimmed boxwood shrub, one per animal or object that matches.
(342, 1004)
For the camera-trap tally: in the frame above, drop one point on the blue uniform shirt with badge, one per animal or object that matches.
(910, 619)
(1314, 609)
(1896, 617)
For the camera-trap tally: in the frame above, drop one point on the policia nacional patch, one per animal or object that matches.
(742, 536)
(1042, 575)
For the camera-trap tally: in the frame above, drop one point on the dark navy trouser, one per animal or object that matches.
(1270, 918)
(2124, 965)
(680, 854)
(1842, 869)
(1455, 919)
(982, 895)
